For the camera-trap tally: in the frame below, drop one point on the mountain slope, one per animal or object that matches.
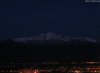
(49, 46)
(54, 37)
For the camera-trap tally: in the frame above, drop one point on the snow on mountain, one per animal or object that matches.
(54, 37)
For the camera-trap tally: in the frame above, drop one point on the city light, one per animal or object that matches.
(52, 67)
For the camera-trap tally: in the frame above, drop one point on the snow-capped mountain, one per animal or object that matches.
(53, 37)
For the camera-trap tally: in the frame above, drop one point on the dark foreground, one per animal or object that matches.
(56, 57)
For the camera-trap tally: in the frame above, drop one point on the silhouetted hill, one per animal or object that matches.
(37, 50)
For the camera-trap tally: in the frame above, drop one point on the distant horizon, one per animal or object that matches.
(26, 36)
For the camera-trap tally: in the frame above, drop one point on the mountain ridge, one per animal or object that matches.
(54, 37)
(49, 46)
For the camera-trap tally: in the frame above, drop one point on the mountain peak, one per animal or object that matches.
(53, 36)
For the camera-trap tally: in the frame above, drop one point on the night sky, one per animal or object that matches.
(20, 18)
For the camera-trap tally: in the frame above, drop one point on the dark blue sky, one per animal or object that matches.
(20, 18)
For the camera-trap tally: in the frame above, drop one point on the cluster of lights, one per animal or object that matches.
(51, 67)
(29, 71)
